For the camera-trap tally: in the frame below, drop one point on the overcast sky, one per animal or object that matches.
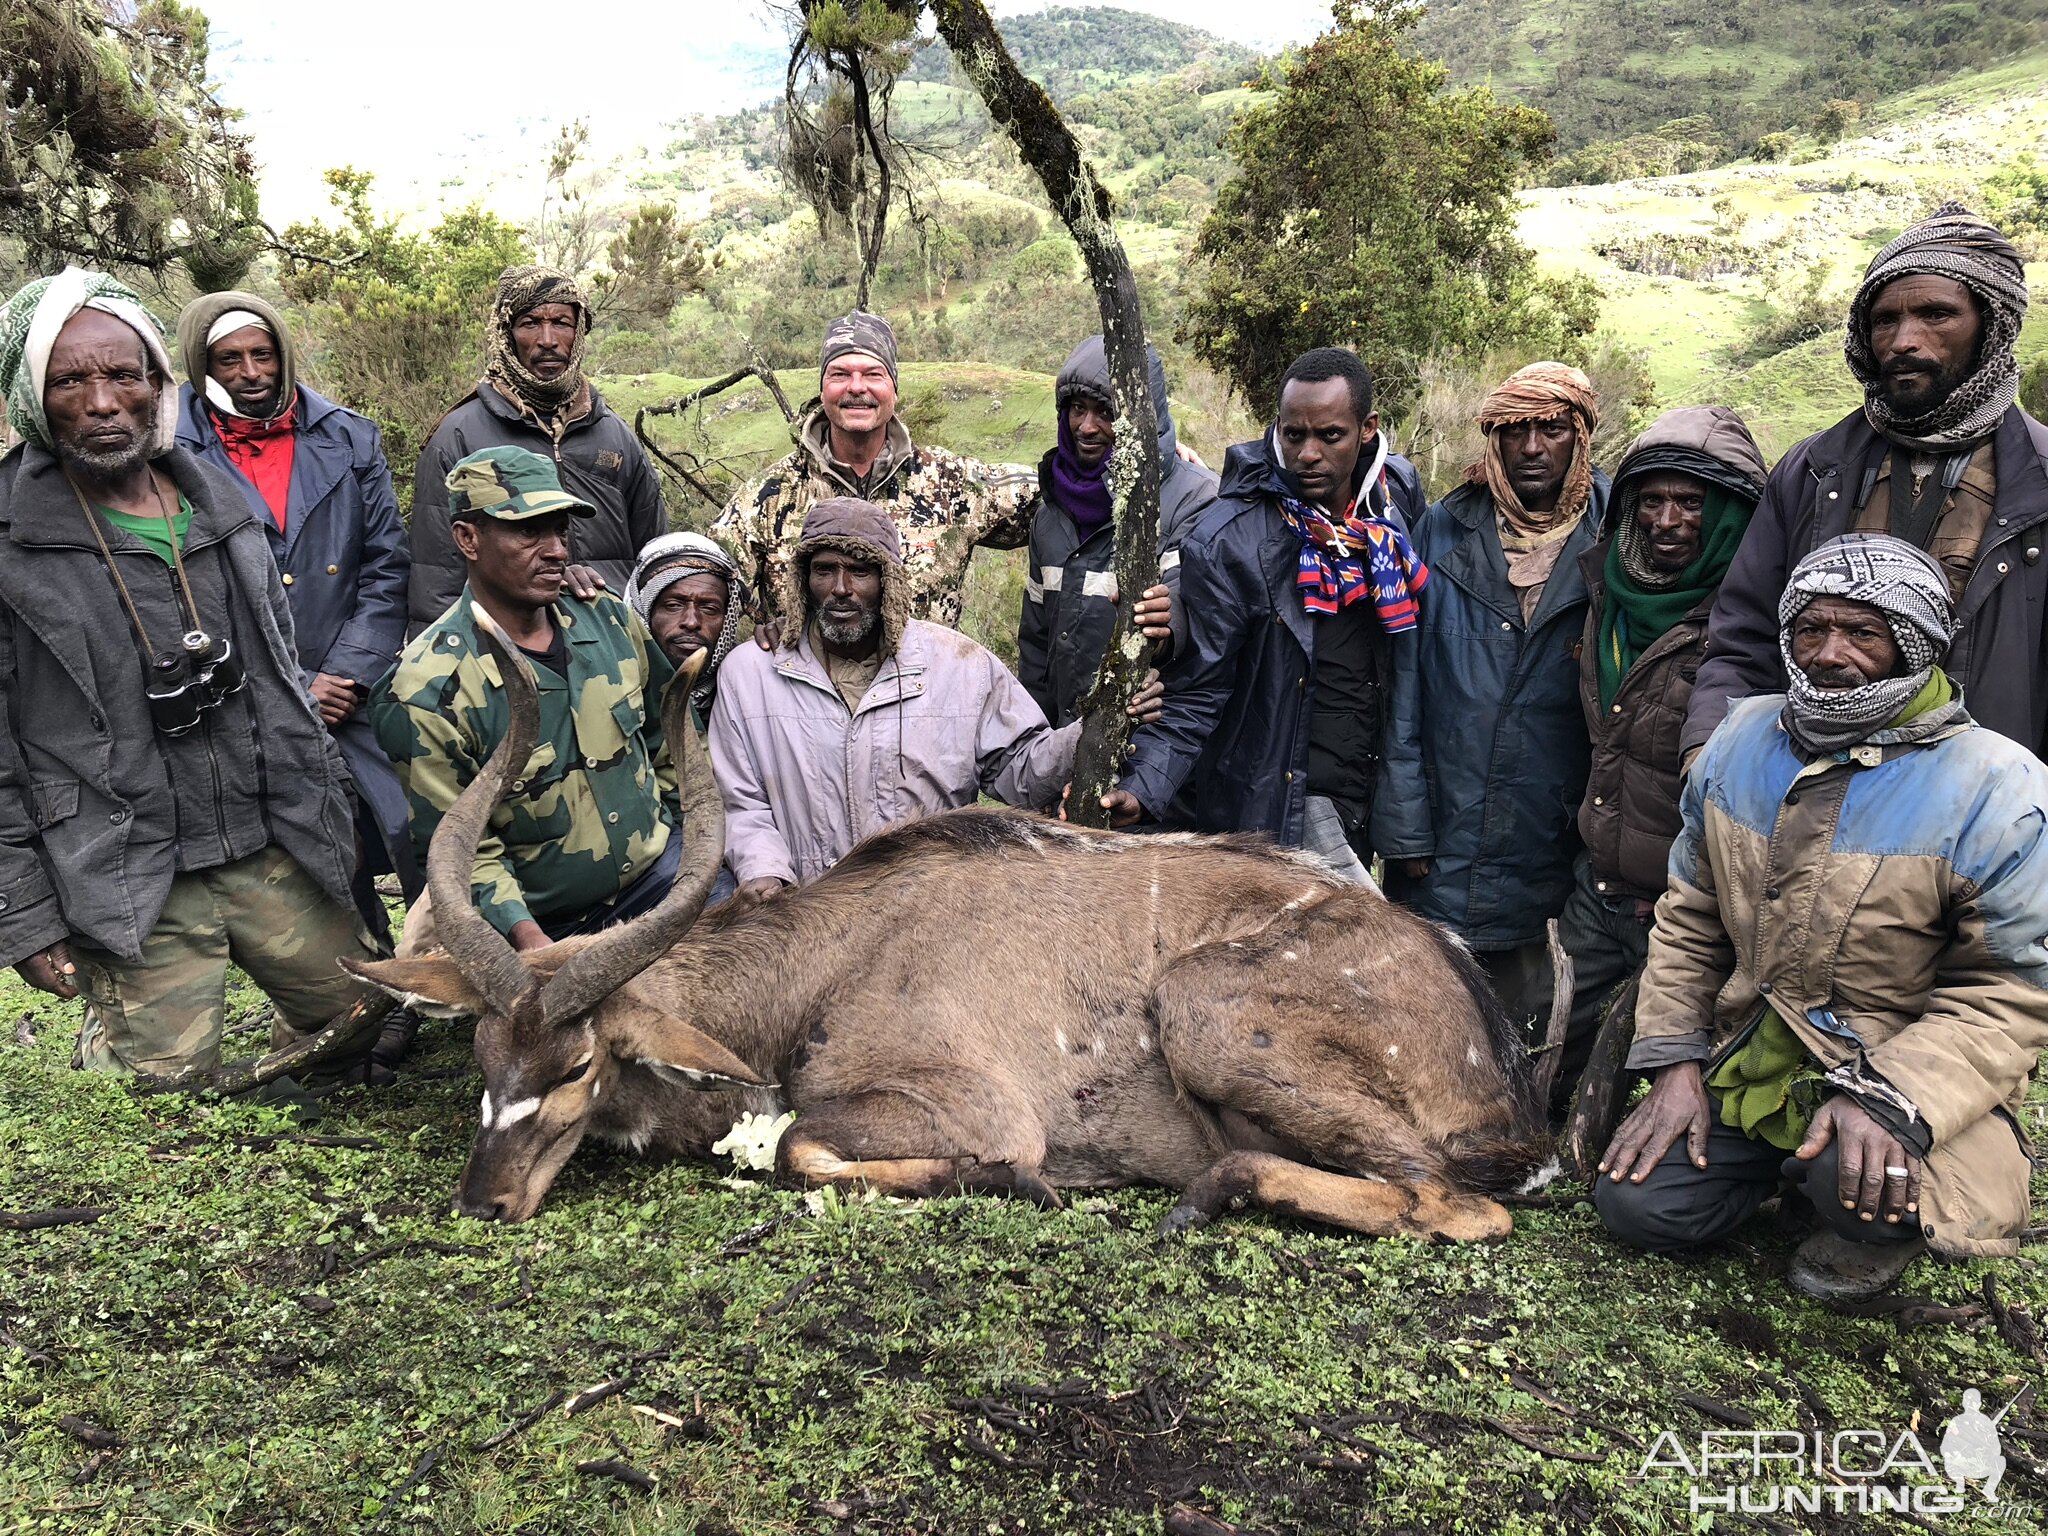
(426, 91)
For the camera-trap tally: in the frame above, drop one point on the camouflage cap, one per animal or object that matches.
(509, 484)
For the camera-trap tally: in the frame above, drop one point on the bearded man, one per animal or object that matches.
(851, 443)
(1846, 985)
(1489, 752)
(169, 799)
(314, 475)
(863, 716)
(534, 395)
(1940, 455)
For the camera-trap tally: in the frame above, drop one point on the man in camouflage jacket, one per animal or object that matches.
(850, 442)
(585, 838)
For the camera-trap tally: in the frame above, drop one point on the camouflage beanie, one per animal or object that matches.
(860, 332)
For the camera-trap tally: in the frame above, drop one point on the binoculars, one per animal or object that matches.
(186, 682)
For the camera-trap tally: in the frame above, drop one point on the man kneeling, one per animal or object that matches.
(1846, 984)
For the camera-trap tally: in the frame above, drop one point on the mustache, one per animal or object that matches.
(1835, 677)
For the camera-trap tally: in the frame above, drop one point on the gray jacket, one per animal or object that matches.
(88, 827)
(804, 779)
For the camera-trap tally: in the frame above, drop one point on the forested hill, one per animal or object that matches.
(1651, 86)
(1069, 51)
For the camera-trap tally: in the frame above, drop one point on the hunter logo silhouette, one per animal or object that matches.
(1970, 1451)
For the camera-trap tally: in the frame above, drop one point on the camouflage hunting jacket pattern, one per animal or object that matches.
(597, 801)
(944, 506)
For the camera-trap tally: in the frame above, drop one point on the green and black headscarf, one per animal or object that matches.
(1711, 445)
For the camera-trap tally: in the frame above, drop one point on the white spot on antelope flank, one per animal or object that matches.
(1145, 1044)
(487, 1109)
(1393, 1051)
(1288, 954)
(1098, 1045)
(1059, 1038)
(1350, 970)
(1472, 1054)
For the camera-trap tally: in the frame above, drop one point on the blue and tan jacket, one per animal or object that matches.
(1892, 909)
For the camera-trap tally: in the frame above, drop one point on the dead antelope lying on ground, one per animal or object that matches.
(987, 1000)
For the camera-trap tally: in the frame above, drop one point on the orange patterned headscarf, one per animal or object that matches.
(1538, 393)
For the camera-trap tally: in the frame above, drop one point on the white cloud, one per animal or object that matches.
(445, 100)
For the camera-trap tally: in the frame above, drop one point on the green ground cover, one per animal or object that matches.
(285, 1331)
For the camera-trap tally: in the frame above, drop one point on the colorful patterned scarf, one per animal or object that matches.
(1333, 575)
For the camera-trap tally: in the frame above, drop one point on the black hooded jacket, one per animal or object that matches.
(1069, 580)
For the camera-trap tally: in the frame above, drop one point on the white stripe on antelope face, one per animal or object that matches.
(510, 1115)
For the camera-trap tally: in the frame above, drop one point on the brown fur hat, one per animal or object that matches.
(866, 532)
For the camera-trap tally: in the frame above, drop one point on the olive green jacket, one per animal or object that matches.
(597, 801)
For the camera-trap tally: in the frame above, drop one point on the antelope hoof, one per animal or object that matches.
(1184, 1218)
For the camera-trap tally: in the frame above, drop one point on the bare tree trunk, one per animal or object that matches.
(1048, 147)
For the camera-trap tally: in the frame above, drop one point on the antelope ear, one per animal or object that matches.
(672, 1050)
(428, 984)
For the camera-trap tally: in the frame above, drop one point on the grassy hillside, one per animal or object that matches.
(281, 1330)
(1693, 267)
(1070, 50)
(1609, 70)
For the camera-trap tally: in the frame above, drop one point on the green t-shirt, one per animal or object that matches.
(152, 530)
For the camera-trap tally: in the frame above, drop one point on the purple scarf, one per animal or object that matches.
(1083, 492)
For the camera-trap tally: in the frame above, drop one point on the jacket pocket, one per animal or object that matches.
(54, 801)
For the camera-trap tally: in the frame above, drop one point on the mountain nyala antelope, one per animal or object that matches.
(991, 1000)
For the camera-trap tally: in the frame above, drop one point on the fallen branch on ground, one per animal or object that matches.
(2014, 1325)
(1186, 1520)
(1541, 1448)
(85, 1432)
(590, 1397)
(61, 1216)
(618, 1471)
(523, 1423)
(349, 1031)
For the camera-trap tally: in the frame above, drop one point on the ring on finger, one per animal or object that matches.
(1898, 1173)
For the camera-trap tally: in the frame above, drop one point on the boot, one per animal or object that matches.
(1829, 1267)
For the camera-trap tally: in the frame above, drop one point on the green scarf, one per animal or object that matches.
(1635, 617)
(1769, 1085)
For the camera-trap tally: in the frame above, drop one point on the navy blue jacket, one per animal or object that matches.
(342, 556)
(1239, 692)
(1489, 755)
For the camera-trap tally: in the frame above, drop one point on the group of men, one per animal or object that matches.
(1768, 743)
